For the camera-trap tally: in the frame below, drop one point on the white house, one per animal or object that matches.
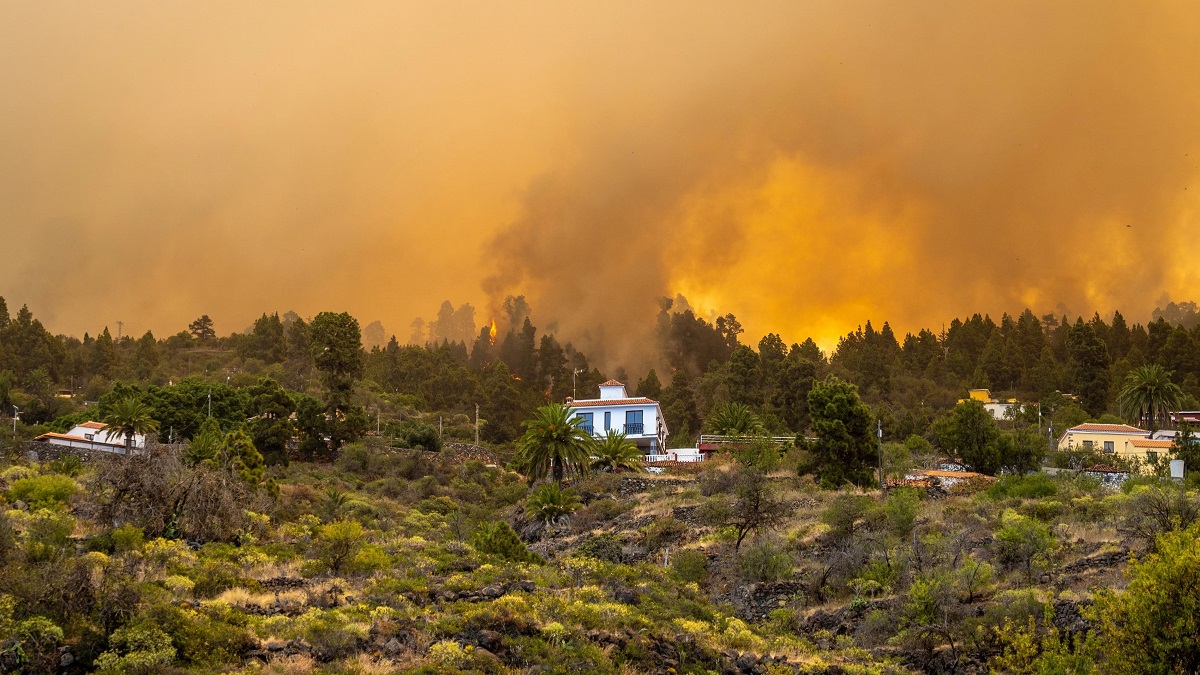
(639, 417)
(1000, 410)
(93, 436)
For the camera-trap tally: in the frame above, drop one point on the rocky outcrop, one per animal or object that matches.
(632, 485)
(462, 452)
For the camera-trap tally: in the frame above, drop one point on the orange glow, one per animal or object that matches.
(807, 166)
(492, 332)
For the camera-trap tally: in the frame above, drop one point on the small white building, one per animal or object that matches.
(93, 436)
(1000, 410)
(639, 417)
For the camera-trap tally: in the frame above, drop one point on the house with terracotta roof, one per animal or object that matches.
(93, 436)
(1146, 450)
(639, 417)
(1108, 438)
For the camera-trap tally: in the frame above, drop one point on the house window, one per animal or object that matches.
(586, 419)
(1151, 456)
(89, 436)
(1087, 445)
(607, 421)
(1108, 446)
(633, 422)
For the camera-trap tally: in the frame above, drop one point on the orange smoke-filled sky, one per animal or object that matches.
(805, 165)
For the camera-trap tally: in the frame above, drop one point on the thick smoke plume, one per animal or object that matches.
(804, 165)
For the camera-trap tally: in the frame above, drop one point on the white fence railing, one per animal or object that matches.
(718, 439)
(674, 458)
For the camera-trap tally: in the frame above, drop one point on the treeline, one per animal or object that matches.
(1073, 367)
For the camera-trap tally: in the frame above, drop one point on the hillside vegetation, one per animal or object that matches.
(304, 505)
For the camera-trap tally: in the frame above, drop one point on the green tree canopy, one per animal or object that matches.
(970, 431)
(844, 451)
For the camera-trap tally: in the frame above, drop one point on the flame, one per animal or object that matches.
(492, 332)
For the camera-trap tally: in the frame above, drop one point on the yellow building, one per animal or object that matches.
(981, 395)
(1146, 450)
(1000, 410)
(1108, 438)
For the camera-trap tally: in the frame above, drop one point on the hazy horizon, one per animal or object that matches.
(805, 166)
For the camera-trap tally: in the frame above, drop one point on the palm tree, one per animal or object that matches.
(616, 453)
(735, 419)
(554, 443)
(129, 416)
(1149, 394)
(551, 504)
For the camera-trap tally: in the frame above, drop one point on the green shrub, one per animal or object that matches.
(69, 465)
(48, 535)
(1023, 543)
(973, 579)
(1032, 486)
(550, 503)
(901, 507)
(844, 513)
(127, 538)
(43, 492)
(690, 566)
(498, 539)
(137, 648)
(370, 559)
(1046, 510)
(765, 561)
(211, 637)
(419, 436)
(1154, 625)
(606, 547)
(338, 543)
(662, 532)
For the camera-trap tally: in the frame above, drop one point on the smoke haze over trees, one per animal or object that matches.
(806, 165)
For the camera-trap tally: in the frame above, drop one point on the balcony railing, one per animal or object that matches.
(674, 458)
(587, 428)
(634, 428)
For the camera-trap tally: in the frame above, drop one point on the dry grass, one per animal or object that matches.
(244, 599)
(365, 664)
(274, 570)
(299, 664)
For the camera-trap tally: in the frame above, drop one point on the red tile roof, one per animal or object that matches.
(612, 383)
(1150, 443)
(948, 474)
(1109, 428)
(81, 439)
(93, 425)
(595, 402)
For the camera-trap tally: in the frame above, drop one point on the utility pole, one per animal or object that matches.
(16, 415)
(120, 325)
(439, 426)
(476, 424)
(879, 435)
(574, 373)
(210, 401)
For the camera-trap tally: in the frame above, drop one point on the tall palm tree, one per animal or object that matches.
(735, 419)
(1149, 394)
(616, 453)
(554, 443)
(129, 416)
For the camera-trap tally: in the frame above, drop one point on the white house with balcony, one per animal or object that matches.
(639, 417)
